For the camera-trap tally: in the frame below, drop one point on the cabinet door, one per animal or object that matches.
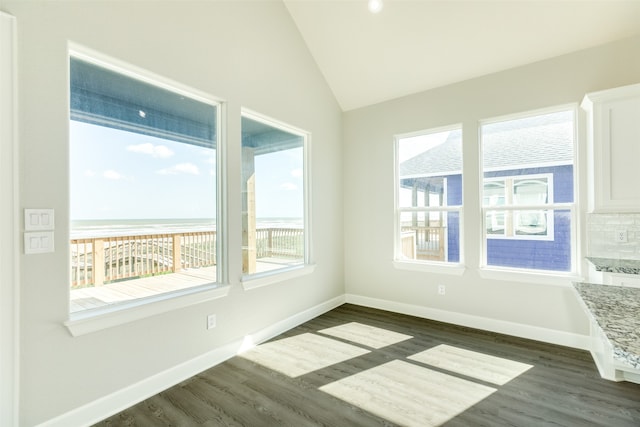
(614, 149)
(621, 143)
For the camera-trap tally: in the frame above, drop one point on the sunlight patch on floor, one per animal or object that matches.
(302, 354)
(492, 369)
(369, 336)
(408, 394)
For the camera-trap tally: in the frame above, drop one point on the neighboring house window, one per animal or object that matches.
(143, 179)
(524, 190)
(274, 218)
(429, 196)
(528, 192)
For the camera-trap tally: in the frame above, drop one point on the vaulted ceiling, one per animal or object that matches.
(412, 46)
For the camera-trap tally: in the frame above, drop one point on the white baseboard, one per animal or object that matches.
(106, 406)
(551, 336)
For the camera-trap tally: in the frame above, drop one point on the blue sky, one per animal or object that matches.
(123, 175)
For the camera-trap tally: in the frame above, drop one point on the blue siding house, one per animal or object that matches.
(526, 162)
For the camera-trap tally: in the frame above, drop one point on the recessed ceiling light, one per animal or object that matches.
(375, 6)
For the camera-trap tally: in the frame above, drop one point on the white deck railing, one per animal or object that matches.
(425, 243)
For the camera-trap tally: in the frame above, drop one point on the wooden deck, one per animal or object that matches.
(127, 290)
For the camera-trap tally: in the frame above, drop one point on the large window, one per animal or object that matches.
(274, 220)
(429, 196)
(528, 192)
(142, 186)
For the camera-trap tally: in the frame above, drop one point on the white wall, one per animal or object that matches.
(250, 55)
(536, 309)
(8, 220)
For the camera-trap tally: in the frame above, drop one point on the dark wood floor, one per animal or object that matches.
(562, 388)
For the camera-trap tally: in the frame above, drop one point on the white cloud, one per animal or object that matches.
(296, 173)
(113, 175)
(157, 151)
(89, 173)
(180, 168)
(288, 186)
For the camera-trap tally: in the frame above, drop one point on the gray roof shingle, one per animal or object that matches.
(539, 140)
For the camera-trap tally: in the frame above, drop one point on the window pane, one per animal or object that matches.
(430, 176)
(530, 191)
(539, 254)
(273, 222)
(531, 223)
(435, 239)
(528, 162)
(430, 169)
(142, 189)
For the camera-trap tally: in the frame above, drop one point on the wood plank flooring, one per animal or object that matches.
(388, 370)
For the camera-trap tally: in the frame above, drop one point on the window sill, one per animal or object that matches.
(544, 278)
(259, 280)
(440, 268)
(88, 321)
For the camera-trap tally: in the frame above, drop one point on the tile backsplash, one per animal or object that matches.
(602, 230)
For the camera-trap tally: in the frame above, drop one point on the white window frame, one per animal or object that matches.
(88, 321)
(549, 277)
(260, 279)
(401, 262)
(9, 225)
(515, 208)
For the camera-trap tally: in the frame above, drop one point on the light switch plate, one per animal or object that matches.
(38, 219)
(40, 242)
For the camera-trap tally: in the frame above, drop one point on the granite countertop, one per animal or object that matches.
(610, 265)
(616, 310)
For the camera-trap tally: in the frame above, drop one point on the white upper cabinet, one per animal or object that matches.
(613, 136)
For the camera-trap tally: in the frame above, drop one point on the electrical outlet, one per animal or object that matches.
(621, 235)
(442, 289)
(211, 321)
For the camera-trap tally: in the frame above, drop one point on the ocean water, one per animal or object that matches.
(83, 229)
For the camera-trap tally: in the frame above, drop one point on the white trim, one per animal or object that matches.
(484, 323)
(306, 193)
(88, 321)
(623, 92)
(9, 226)
(573, 206)
(430, 267)
(113, 403)
(399, 262)
(528, 166)
(529, 113)
(100, 59)
(258, 280)
(549, 207)
(430, 209)
(222, 202)
(530, 276)
(262, 118)
(92, 320)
